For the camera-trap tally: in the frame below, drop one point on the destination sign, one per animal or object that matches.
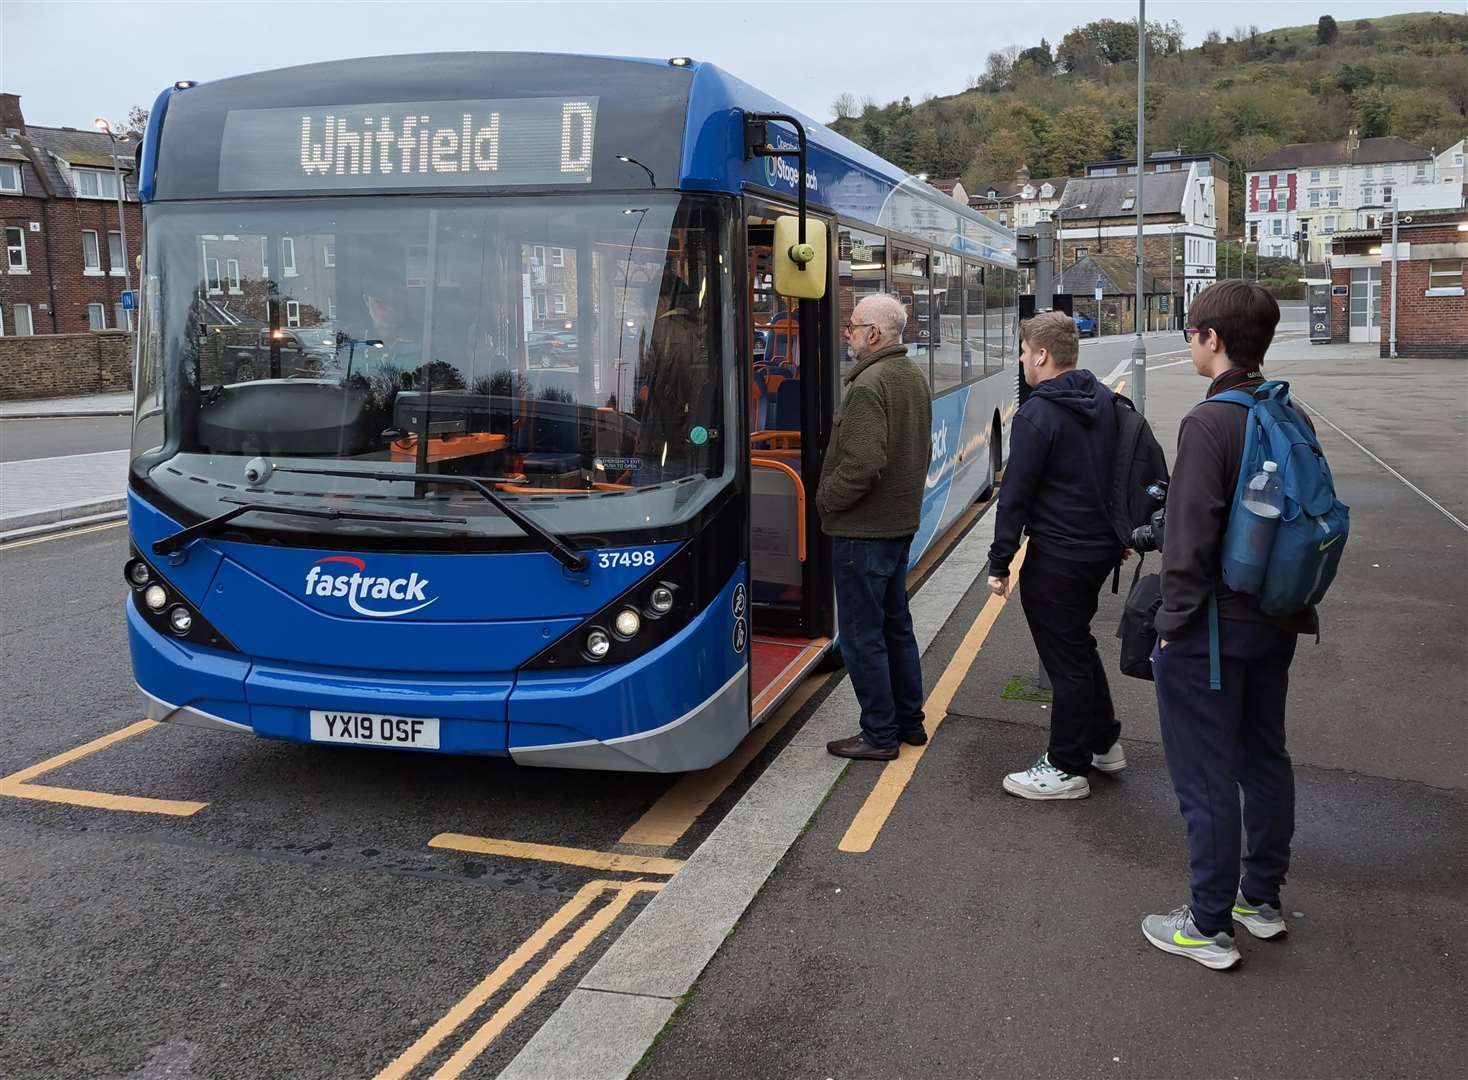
(414, 144)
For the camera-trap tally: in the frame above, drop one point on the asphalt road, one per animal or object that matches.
(25, 440)
(298, 925)
(985, 936)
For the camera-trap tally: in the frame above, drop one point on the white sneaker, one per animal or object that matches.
(1114, 760)
(1043, 780)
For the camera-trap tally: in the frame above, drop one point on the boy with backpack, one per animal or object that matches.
(1058, 486)
(1224, 647)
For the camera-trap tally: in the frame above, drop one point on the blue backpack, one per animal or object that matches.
(1307, 545)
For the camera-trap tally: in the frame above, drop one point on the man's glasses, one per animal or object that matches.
(1189, 331)
(857, 325)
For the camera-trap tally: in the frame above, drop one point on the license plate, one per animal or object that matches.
(370, 729)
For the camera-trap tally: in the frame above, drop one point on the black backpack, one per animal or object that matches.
(1139, 461)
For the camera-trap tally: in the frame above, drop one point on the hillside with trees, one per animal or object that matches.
(1242, 94)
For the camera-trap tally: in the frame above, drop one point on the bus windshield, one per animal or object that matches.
(569, 348)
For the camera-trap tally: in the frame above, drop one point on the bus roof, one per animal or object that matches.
(655, 124)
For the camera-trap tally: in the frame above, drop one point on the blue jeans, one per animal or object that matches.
(1220, 743)
(877, 642)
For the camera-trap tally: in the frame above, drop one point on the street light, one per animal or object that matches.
(106, 128)
(1060, 234)
(652, 181)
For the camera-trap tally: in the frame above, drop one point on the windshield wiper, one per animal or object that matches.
(181, 539)
(559, 549)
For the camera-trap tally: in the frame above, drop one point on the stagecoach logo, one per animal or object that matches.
(778, 168)
(360, 589)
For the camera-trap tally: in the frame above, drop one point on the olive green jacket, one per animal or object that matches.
(876, 465)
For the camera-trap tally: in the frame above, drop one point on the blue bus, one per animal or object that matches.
(470, 416)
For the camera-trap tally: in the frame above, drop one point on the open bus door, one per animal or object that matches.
(792, 357)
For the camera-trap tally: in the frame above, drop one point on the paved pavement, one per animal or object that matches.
(986, 936)
(63, 462)
(84, 405)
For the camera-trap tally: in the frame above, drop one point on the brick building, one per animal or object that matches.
(1431, 267)
(63, 270)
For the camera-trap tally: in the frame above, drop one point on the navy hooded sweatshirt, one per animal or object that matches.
(1061, 447)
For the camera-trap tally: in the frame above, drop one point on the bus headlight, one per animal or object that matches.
(661, 600)
(180, 620)
(598, 644)
(138, 574)
(627, 624)
(156, 597)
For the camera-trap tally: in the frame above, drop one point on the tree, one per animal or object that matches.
(1037, 59)
(1326, 30)
(999, 69)
(844, 107)
(996, 160)
(1372, 111)
(1075, 136)
(135, 124)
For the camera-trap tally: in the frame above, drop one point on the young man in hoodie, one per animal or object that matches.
(1061, 446)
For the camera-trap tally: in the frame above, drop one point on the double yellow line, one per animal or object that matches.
(622, 894)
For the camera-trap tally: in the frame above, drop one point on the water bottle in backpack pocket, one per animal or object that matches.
(1251, 531)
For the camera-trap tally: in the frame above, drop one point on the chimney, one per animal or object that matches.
(1353, 142)
(11, 118)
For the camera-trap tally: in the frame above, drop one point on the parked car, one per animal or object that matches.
(304, 351)
(1085, 325)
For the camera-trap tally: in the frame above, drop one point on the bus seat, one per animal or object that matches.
(772, 395)
(787, 405)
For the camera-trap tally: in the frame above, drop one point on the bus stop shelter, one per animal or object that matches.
(1105, 287)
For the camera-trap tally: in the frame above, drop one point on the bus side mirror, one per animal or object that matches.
(800, 270)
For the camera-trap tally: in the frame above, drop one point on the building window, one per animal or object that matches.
(211, 271)
(91, 256)
(15, 251)
(115, 257)
(1421, 174)
(1314, 198)
(10, 178)
(1370, 172)
(1080, 254)
(121, 318)
(540, 309)
(1128, 202)
(292, 313)
(1445, 277)
(328, 255)
(1314, 176)
(1253, 232)
(1330, 220)
(1368, 196)
(94, 184)
(1386, 195)
(1333, 196)
(96, 317)
(288, 255)
(1335, 174)
(558, 256)
(1278, 226)
(232, 269)
(331, 308)
(24, 327)
(1164, 166)
(537, 256)
(558, 301)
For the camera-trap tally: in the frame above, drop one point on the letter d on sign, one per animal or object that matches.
(576, 153)
(488, 160)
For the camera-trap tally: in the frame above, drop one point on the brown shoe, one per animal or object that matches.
(858, 747)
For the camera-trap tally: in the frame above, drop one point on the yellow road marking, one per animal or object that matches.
(869, 820)
(63, 534)
(475, 999)
(575, 945)
(684, 803)
(594, 860)
(18, 784)
(100, 800)
(78, 752)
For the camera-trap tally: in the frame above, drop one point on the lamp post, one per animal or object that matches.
(1060, 236)
(106, 128)
(1139, 347)
(651, 180)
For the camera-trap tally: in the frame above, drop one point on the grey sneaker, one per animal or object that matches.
(1113, 761)
(1176, 933)
(1261, 920)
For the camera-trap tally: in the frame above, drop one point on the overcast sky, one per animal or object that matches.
(70, 61)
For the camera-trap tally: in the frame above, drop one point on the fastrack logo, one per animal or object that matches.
(358, 587)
